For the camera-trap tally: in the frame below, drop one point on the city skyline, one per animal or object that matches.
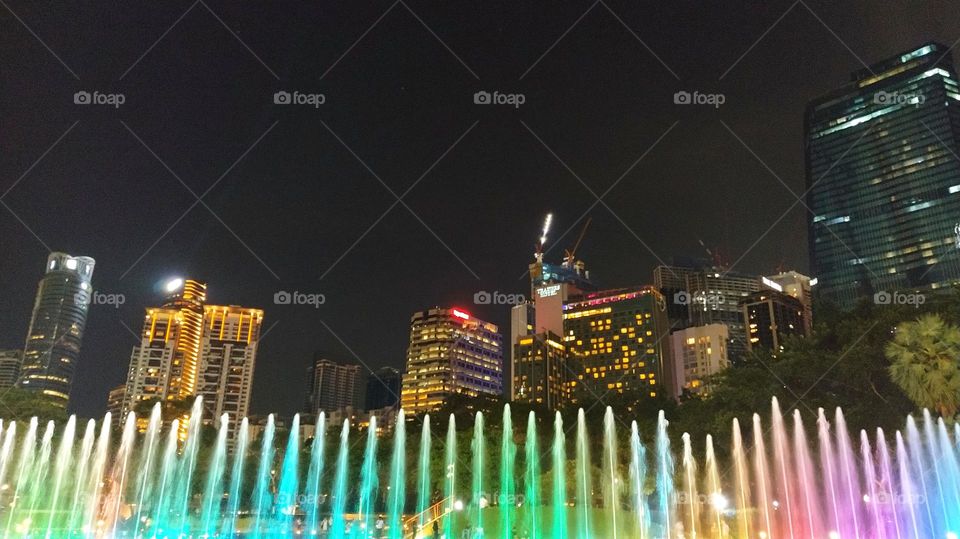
(294, 199)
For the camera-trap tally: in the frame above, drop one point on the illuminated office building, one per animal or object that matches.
(56, 327)
(544, 372)
(702, 294)
(771, 316)
(228, 356)
(9, 367)
(451, 352)
(164, 365)
(622, 338)
(799, 286)
(698, 352)
(333, 385)
(883, 178)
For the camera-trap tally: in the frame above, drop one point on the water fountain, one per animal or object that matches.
(780, 481)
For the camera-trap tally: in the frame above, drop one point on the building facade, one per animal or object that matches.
(799, 286)
(451, 352)
(708, 295)
(163, 366)
(115, 404)
(59, 317)
(771, 316)
(332, 385)
(883, 179)
(9, 367)
(622, 339)
(189, 349)
(383, 388)
(228, 356)
(544, 372)
(698, 352)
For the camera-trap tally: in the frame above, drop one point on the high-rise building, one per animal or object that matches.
(710, 295)
(332, 385)
(228, 355)
(451, 352)
(115, 403)
(622, 339)
(799, 286)
(164, 365)
(698, 352)
(544, 371)
(770, 317)
(56, 327)
(9, 367)
(189, 349)
(883, 179)
(383, 388)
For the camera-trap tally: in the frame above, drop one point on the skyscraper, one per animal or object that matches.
(707, 294)
(164, 365)
(451, 352)
(771, 316)
(56, 327)
(9, 367)
(228, 356)
(623, 339)
(883, 179)
(383, 388)
(189, 349)
(544, 371)
(333, 385)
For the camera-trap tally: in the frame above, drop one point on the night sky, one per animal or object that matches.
(294, 197)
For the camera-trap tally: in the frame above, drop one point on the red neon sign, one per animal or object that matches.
(460, 314)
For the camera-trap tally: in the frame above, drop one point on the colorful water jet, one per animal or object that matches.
(781, 480)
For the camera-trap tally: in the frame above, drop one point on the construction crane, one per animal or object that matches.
(569, 254)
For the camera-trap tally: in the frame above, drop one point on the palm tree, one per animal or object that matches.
(925, 363)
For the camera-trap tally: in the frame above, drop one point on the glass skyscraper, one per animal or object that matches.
(56, 327)
(883, 178)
